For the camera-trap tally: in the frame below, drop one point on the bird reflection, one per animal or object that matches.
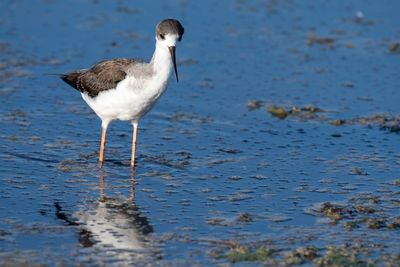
(113, 224)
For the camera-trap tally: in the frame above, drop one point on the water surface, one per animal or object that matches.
(211, 175)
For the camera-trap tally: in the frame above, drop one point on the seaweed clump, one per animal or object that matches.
(304, 113)
(342, 255)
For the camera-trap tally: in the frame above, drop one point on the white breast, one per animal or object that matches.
(132, 98)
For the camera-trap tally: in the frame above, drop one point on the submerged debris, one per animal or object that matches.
(337, 122)
(307, 112)
(218, 221)
(239, 253)
(314, 39)
(254, 104)
(364, 210)
(245, 217)
(187, 116)
(394, 47)
(301, 255)
(264, 253)
(230, 150)
(334, 211)
(389, 123)
(341, 256)
(376, 223)
(358, 171)
(235, 253)
(222, 221)
(394, 224)
(279, 112)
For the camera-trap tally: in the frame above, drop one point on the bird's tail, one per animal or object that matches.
(69, 78)
(56, 74)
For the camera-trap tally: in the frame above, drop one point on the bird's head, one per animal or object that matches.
(168, 33)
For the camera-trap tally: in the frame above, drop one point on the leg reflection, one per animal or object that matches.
(132, 191)
(101, 186)
(110, 223)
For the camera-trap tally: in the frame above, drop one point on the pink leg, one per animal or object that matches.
(135, 125)
(102, 146)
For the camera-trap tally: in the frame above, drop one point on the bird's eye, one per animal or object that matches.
(162, 36)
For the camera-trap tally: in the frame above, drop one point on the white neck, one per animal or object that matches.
(161, 62)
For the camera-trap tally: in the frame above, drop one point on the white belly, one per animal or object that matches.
(126, 102)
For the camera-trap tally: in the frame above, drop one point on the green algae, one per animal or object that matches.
(329, 256)
(387, 122)
(242, 253)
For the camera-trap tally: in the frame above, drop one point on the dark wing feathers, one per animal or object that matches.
(103, 76)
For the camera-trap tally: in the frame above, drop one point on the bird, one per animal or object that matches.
(126, 89)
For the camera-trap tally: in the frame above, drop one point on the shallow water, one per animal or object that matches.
(210, 172)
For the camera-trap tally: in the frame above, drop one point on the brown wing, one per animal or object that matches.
(103, 76)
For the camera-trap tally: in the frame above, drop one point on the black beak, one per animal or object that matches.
(172, 51)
